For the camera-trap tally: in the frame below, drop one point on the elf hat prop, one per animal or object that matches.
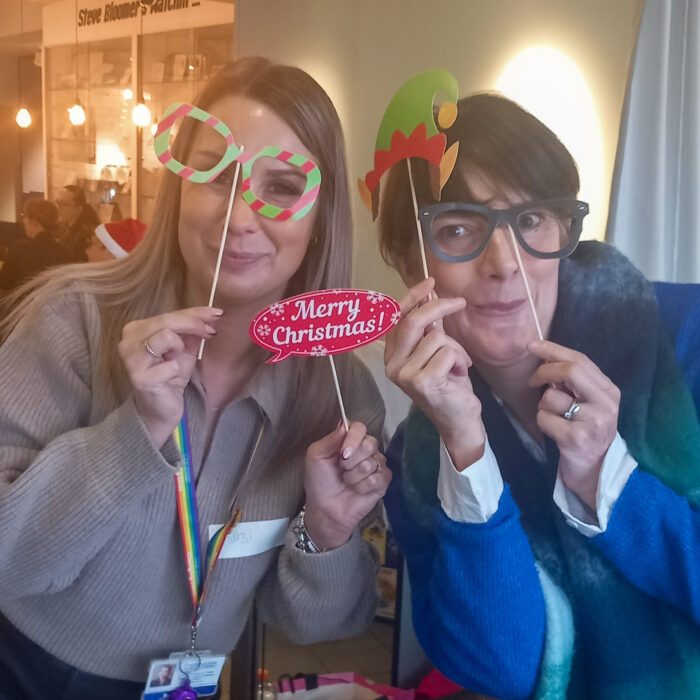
(121, 237)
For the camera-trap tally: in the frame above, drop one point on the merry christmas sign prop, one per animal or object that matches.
(322, 323)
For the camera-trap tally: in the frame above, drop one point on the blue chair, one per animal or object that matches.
(680, 309)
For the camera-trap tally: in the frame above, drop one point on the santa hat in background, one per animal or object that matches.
(121, 237)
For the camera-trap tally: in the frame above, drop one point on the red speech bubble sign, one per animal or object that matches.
(326, 322)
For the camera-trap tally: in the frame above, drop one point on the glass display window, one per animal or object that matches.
(110, 157)
(97, 155)
(176, 65)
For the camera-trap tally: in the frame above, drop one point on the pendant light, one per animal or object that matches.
(23, 118)
(140, 114)
(76, 113)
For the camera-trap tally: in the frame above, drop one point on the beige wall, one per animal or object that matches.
(361, 51)
(21, 150)
(9, 140)
(16, 19)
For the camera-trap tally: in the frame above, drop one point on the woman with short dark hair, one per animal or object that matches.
(549, 489)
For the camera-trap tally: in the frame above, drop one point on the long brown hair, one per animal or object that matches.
(498, 139)
(149, 281)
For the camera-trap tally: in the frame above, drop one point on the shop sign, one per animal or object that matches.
(112, 11)
(105, 19)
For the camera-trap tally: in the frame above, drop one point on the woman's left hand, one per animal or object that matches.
(583, 439)
(345, 477)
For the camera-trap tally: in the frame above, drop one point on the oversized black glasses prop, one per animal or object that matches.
(458, 232)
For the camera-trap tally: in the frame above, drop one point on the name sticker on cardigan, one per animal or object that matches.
(250, 538)
(325, 322)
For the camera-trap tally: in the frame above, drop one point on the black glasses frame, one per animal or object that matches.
(427, 214)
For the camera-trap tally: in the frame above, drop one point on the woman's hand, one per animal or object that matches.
(432, 369)
(159, 354)
(345, 477)
(584, 439)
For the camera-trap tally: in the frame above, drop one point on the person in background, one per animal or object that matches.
(99, 367)
(545, 492)
(80, 219)
(38, 250)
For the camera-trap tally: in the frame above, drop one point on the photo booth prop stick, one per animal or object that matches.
(222, 245)
(527, 284)
(161, 143)
(408, 130)
(285, 203)
(323, 324)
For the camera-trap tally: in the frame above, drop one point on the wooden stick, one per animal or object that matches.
(340, 396)
(527, 286)
(224, 233)
(421, 245)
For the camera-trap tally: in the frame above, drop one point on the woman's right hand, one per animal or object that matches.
(432, 369)
(159, 354)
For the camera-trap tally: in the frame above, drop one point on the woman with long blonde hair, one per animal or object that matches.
(98, 368)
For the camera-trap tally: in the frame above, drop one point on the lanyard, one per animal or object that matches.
(198, 572)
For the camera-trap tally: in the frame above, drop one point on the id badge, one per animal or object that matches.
(250, 538)
(195, 676)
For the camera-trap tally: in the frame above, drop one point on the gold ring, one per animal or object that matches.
(150, 350)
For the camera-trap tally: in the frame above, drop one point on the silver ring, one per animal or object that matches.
(573, 410)
(150, 350)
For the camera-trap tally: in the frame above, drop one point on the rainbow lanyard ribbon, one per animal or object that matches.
(188, 515)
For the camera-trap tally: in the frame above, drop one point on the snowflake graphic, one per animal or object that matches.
(318, 351)
(373, 297)
(264, 330)
(277, 309)
(395, 317)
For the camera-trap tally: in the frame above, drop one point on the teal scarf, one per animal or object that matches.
(596, 620)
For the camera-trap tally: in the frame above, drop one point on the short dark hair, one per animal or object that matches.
(497, 138)
(78, 194)
(42, 211)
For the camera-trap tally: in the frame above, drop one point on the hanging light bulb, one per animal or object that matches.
(76, 114)
(141, 115)
(23, 118)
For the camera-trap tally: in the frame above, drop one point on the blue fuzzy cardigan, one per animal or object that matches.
(523, 605)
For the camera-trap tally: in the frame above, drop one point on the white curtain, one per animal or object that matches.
(655, 201)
